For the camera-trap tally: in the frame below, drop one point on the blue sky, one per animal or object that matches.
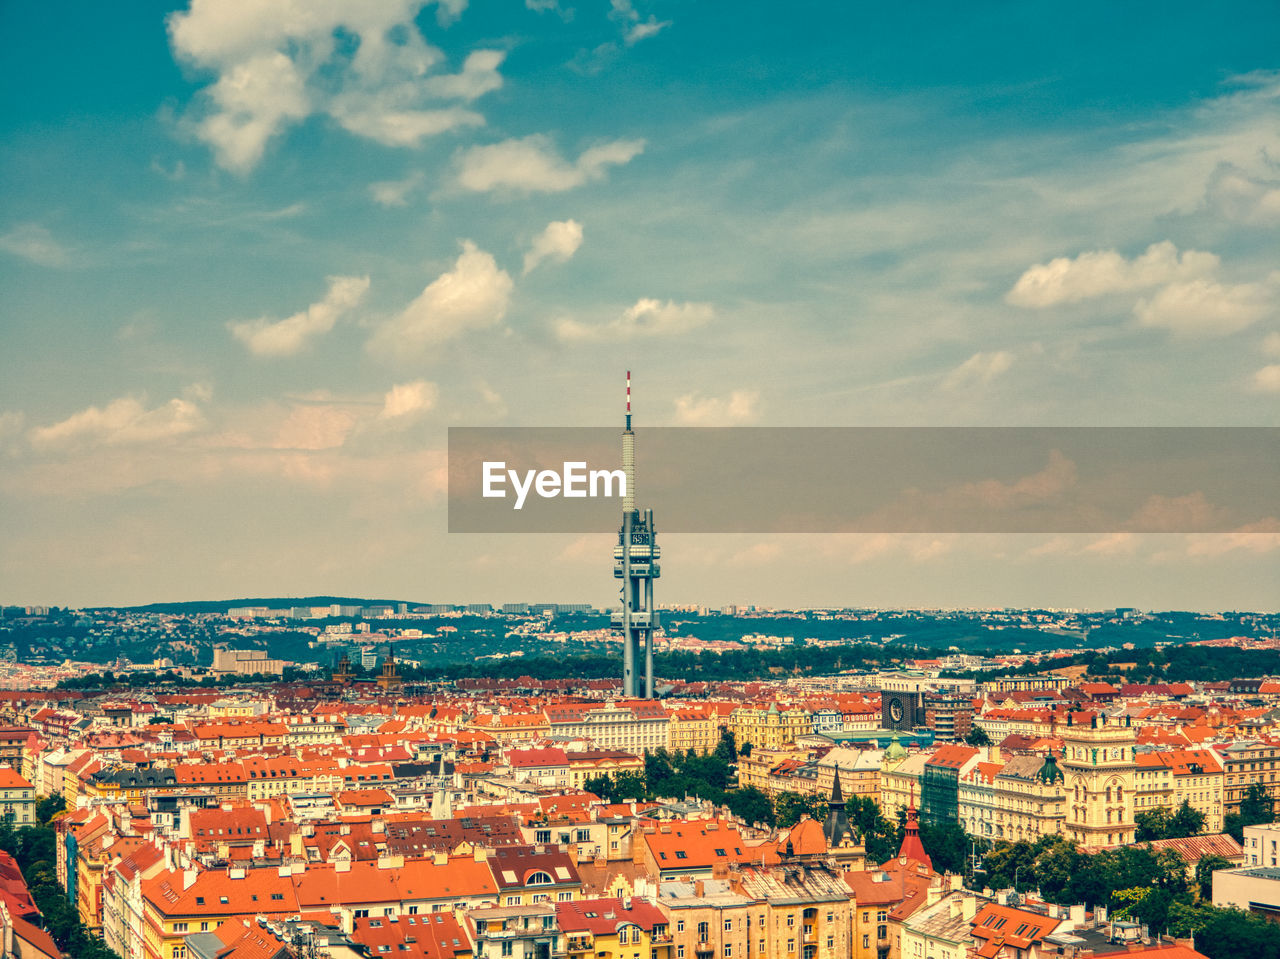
(256, 257)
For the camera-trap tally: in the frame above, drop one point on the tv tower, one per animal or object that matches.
(635, 563)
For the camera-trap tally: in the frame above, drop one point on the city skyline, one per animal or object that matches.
(256, 264)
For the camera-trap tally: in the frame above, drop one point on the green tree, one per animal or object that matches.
(1186, 821)
(1205, 869)
(751, 805)
(947, 845)
(977, 736)
(1153, 824)
(726, 749)
(790, 806)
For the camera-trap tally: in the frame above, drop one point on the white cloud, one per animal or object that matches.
(473, 295)
(35, 243)
(316, 426)
(1243, 198)
(647, 318)
(557, 243)
(1267, 379)
(285, 337)
(643, 31)
(1271, 344)
(278, 63)
(254, 100)
(533, 164)
(394, 192)
(406, 400)
(124, 421)
(978, 370)
(1204, 307)
(740, 406)
(1101, 272)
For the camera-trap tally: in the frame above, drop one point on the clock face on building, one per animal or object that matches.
(895, 710)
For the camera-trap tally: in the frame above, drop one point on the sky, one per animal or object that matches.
(257, 256)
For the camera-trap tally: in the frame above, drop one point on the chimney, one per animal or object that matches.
(188, 878)
(440, 858)
(698, 888)
(969, 906)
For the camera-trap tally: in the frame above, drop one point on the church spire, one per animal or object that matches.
(912, 847)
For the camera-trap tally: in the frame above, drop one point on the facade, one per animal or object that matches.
(1245, 763)
(800, 912)
(707, 917)
(17, 798)
(1099, 769)
(516, 932)
(940, 783)
(770, 728)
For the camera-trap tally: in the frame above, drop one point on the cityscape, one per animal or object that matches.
(639, 480)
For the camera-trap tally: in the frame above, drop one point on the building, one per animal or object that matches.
(770, 728)
(801, 911)
(1252, 888)
(941, 930)
(940, 782)
(613, 929)
(1262, 845)
(246, 662)
(949, 713)
(707, 917)
(516, 932)
(1099, 769)
(17, 798)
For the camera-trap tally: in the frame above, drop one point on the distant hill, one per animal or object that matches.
(277, 602)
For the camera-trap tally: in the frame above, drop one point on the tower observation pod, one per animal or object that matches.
(635, 562)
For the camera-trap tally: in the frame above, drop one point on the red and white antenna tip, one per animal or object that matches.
(628, 391)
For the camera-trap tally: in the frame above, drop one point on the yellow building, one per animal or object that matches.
(17, 798)
(1246, 763)
(707, 917)
(1029, 798)
(770, 728)
(695, 728)
(614, 929)
(800, 912)
(1100, 766)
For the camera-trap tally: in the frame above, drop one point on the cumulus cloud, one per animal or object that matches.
(1267, 379)
(33, 242)
(473, 295)
(1271, 344)
(1102, 272)
(286, 337)
(1204, 307)
(533, 164)
(557, 243)
(1243, 198)
(394, 192)
(315, 426)
(406, 400)
(978, 370)
(740, 406)
(277, 64)
(124, 421)
(647, 318)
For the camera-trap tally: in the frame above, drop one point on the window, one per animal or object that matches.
(679, 925)
(507, 947)
(179, 927)
(680, 854)
(728, 925)
(542, 835)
